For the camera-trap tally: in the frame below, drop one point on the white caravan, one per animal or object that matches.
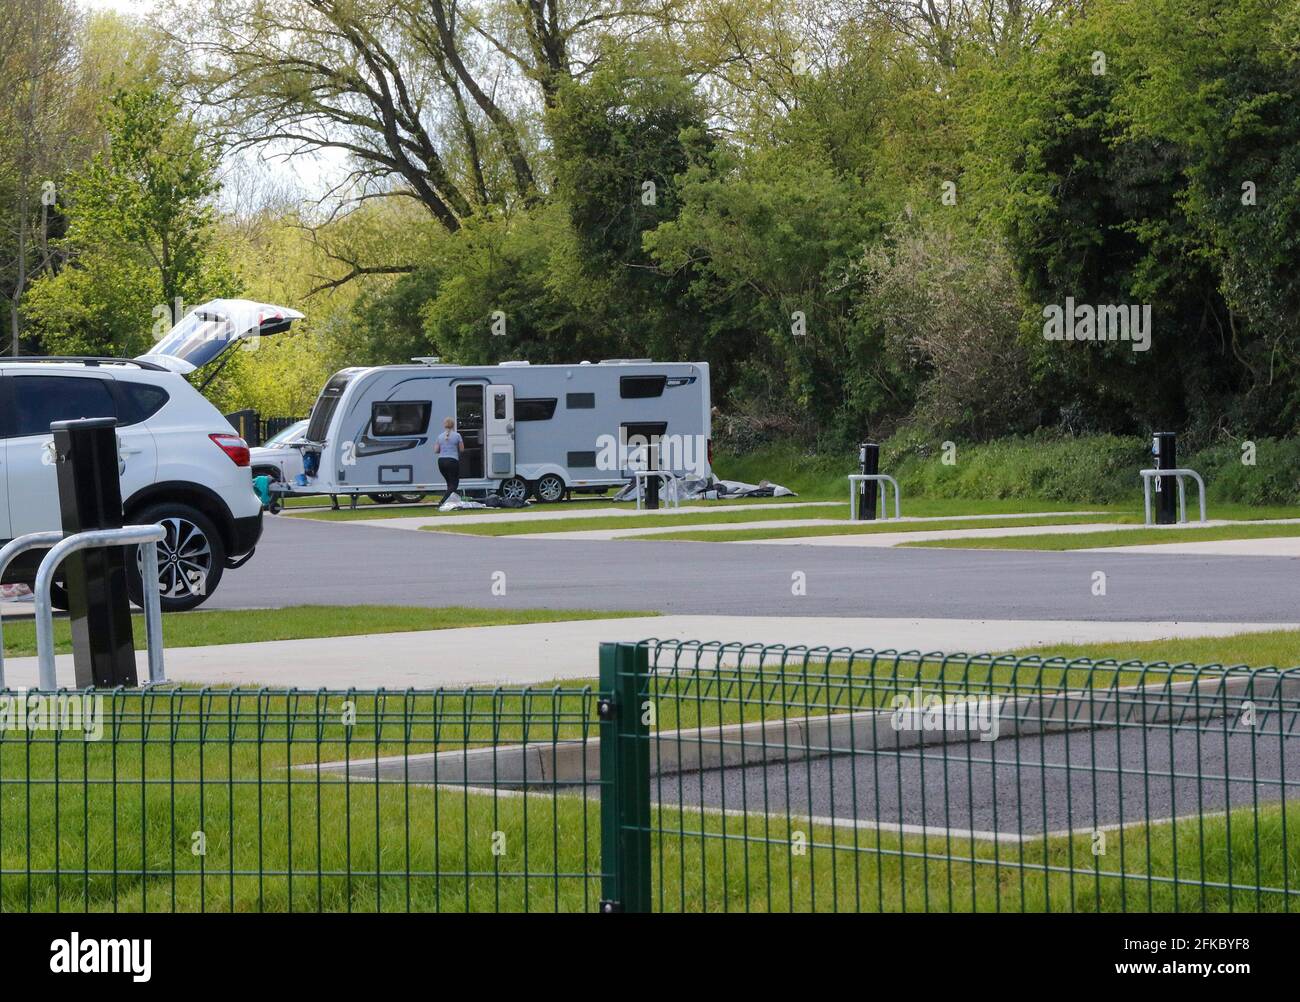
(542, 430)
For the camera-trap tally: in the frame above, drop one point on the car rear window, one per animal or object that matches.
(138, 402)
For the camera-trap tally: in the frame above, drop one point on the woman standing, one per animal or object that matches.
(448, 447)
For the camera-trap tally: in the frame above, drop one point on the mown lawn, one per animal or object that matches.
(872, 528)
(576, 507)
(197, 801)
(366, 847)
(224, 825)
(201, 627)
(1135, 537)
(1278, 648)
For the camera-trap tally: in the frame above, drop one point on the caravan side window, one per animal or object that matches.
(399, 417)
(535, 408)
(579, 401)
(641, 387)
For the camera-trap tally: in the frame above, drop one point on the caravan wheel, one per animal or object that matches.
(513, 489)
(550, 488)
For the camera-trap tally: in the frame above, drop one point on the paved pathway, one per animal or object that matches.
(542, 652)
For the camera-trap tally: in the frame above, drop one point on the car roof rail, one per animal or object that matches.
(86, 360)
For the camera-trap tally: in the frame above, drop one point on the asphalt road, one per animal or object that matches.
(1018, 787)
(303, 561)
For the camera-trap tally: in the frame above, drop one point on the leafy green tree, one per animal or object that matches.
(774, 239)
(140, 238)
(621, 141)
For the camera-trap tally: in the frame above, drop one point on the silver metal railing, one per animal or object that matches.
(15, 548)
(147, 537)
(1179, 473)
(880, 479)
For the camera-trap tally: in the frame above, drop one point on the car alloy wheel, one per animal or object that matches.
(184, 559)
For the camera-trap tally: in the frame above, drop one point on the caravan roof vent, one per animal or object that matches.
(429, 360)
(512, 364)
(626, 361)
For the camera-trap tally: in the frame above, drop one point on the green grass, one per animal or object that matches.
(202, 628)
(722, 517)
(577, 507)
(647, 521)
(1279, 648)
(280, 839)
(1134, 537)
(868, 528)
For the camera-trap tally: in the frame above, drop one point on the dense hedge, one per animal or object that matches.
(1088, 469)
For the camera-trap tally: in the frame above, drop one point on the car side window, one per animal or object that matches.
(40, 400)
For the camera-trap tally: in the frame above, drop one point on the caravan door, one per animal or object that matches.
(499, 432)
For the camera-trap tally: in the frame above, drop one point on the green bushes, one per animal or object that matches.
(1096, 469)
(1086, 469)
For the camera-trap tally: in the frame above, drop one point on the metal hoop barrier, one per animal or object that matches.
(1179, 473)
(147, 537)
(668, 480)
(15, 548)
(880, 479)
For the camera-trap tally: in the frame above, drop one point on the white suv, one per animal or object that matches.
(181, 463)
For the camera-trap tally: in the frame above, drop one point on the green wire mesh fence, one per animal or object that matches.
(840, 780)
(266, 800)
(688, 777)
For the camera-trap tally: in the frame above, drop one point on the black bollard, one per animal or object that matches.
(652, 483)
(869, 464)
(1164, 448)
(90, 497)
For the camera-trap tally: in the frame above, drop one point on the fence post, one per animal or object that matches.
(624, 778)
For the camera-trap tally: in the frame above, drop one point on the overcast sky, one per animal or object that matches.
(121, 6)
(313, 175)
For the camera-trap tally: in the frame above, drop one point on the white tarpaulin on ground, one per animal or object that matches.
(708, 489)
(455, 502)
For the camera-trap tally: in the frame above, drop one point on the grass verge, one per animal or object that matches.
(202, 628)
(1134, 537)
(868, 528)
(112, 825)
(1279, 648)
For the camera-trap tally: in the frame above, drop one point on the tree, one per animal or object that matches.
(37, 58)
(140, 238)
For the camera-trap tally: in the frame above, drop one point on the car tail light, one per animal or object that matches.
(710, 451)
(233, 446)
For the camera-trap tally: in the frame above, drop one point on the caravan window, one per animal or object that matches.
(641, 387)
(535, 408)
(580, 401)
(399, 417)
(319, 425)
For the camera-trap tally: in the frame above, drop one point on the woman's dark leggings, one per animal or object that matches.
(450, 470)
